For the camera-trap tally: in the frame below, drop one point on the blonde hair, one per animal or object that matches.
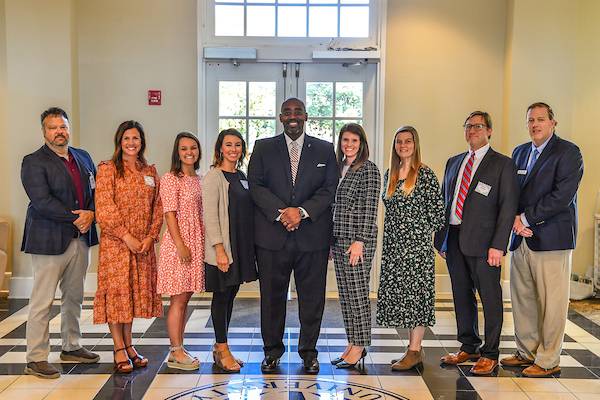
(415, 164)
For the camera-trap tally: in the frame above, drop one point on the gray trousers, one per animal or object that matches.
(539, 291)
(69, 270)
(353, 290)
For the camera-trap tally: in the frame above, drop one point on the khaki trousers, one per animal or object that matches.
(69, 270)
(539, 291)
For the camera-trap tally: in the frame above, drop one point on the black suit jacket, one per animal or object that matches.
(549, 194)
(487, 219)
(271, 188)
(49, 223)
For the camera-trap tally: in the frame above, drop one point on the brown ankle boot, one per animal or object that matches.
(410, 360)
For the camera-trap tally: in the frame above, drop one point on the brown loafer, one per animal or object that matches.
(535, 371)
(515, 361)
(484, 366)
(410, 360)
(458, 358)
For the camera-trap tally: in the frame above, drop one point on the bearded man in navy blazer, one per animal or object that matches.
(293, 178)
(59, 230)
(544, 233)
(481, 193)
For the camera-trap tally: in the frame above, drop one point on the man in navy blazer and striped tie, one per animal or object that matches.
(481, 193)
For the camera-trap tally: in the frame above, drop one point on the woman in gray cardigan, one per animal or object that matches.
(229, 254)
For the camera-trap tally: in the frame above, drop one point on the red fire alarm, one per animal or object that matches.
(154, 97)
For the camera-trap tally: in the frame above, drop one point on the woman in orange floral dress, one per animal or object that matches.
(129, 213)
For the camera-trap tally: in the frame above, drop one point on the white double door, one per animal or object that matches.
(248, 97)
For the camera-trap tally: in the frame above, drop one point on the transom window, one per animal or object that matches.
(292, 18)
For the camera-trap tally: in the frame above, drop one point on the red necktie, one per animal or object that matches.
(464, 186)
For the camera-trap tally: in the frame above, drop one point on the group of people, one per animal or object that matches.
(300, 204)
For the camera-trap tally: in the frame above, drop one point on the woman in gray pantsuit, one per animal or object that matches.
(355, 239)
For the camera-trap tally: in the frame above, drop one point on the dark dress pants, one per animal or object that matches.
(470, 274)
(310, 274)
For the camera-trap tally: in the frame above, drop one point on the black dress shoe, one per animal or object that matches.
(269, 364)
(311, 365)
(336, 361)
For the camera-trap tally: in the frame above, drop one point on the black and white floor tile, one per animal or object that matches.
(579, 378)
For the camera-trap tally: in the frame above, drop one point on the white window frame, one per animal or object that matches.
(206, 11)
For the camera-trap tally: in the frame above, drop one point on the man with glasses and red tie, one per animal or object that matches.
(481, 194)
(544, 232)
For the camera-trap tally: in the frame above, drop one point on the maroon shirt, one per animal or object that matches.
(73, 169)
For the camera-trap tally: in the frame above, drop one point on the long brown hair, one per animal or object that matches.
(415, 164)
(117, 157)
(363, 150)
(218, 154)
(176, 161)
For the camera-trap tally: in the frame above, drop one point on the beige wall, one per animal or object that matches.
(445, 58)
(585, 123)
(38, 74)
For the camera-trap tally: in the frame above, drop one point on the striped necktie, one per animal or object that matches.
(534, 158)
(294, 160)
(464, 186)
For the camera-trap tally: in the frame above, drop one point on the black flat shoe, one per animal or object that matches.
(344, 365)
(269, 364)
(311, 366)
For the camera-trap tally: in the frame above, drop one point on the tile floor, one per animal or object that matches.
(579, 378)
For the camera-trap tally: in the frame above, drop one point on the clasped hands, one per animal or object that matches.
(290, 218)
(520, 229)
(136, 246)
(84, 220)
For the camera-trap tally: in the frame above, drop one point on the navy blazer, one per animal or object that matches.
(487, 219)
(270, 179)
(549, 194)
(49, 223)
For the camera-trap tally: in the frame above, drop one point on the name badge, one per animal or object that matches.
(483, 188)
(149, 180)
(92, 181)
(320, 165)
(244, 183)
(522, 172)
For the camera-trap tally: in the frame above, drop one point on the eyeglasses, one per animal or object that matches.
(477, 127)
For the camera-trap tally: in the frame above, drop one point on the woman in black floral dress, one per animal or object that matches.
(414, 210)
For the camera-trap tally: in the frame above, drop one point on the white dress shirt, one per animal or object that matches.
(479, 154)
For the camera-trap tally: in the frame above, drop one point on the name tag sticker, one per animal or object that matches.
(320, 165)
(92, 181)
(522, 172)
(483, 188)
(244, 183)
(149, 180)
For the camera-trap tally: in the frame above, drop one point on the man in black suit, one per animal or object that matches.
(59, 229)
(292, 178)
(549, 171)
(481, 194)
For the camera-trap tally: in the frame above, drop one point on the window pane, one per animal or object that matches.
(229, 1)
(260, 1)
(229, 20)
(259, 129)
(348, 99)
(261, 97)
(292, 1)
(232, 98)
(261, 21)
(354, 1)
(322, 21)
(291, 21)
(239, 124)
(321, 128)
(354, 21)
(319, 99)
(341, 122)
(323, 1)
